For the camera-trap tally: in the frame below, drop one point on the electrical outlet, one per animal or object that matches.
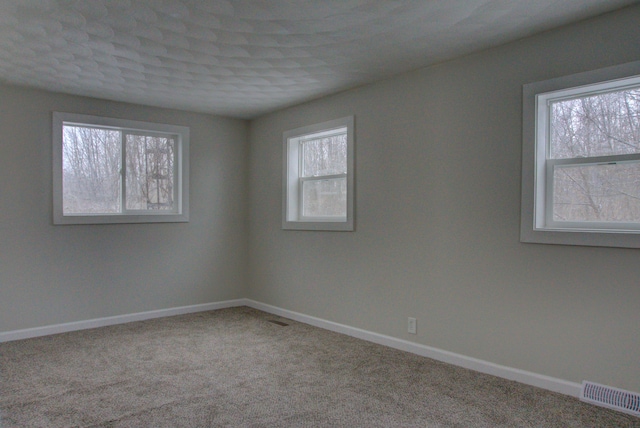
(412, 325)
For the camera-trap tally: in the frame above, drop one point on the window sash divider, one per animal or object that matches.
(596, 160)
(123, 172)
(323, 177)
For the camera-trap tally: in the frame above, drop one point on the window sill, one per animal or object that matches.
(120, 219)
(336, 226)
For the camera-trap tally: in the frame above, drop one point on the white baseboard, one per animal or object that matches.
(522, 376)
(529, 378)
(118, 319)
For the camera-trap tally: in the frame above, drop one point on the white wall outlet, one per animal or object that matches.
(412, 325)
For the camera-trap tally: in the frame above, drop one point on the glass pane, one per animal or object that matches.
(324, 156)
(324, 198)
(609, 192)
(90, 170)
(149, 183)
(597, 125)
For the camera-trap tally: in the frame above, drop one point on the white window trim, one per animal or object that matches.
(533, 227)
(181, 214)
(292, 218)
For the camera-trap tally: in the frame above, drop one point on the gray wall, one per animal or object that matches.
(437, 219)
(55, 274)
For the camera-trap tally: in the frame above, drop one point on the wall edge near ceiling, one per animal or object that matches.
(529, 378)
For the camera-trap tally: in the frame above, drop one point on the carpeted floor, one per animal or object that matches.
(234, 368)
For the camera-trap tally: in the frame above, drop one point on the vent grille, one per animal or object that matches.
(612, 398)
(280, 323)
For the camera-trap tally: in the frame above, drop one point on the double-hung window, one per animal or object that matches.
(581, 159)
(118, 171)
(318, 176)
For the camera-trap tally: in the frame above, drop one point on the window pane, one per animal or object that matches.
(90, 170)
(149, 183)
(324, 156)
(597, 125)
(324, 198)
(609, 193)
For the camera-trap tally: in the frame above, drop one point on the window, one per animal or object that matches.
(581, 159)
(118, 171)
(318, 176)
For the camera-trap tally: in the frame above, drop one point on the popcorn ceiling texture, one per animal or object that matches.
(244, 58)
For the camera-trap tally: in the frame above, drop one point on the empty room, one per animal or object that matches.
(332, 213)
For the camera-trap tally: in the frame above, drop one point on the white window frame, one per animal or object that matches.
(181, 171)
(537, 225)
(292, 216)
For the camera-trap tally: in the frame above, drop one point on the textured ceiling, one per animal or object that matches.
(243, 58)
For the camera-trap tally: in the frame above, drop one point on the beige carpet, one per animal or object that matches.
(234, 368)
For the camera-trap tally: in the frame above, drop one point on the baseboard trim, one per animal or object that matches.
(528, 378)
(522, 376)
(118, 319)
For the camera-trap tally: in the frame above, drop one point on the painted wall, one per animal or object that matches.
(438, 161)
(56, 274)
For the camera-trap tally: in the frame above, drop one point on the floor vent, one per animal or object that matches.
(613, 398)
(280, 323)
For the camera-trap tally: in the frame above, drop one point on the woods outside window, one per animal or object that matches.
(116, 171)
(581, 159)
(318, 177)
